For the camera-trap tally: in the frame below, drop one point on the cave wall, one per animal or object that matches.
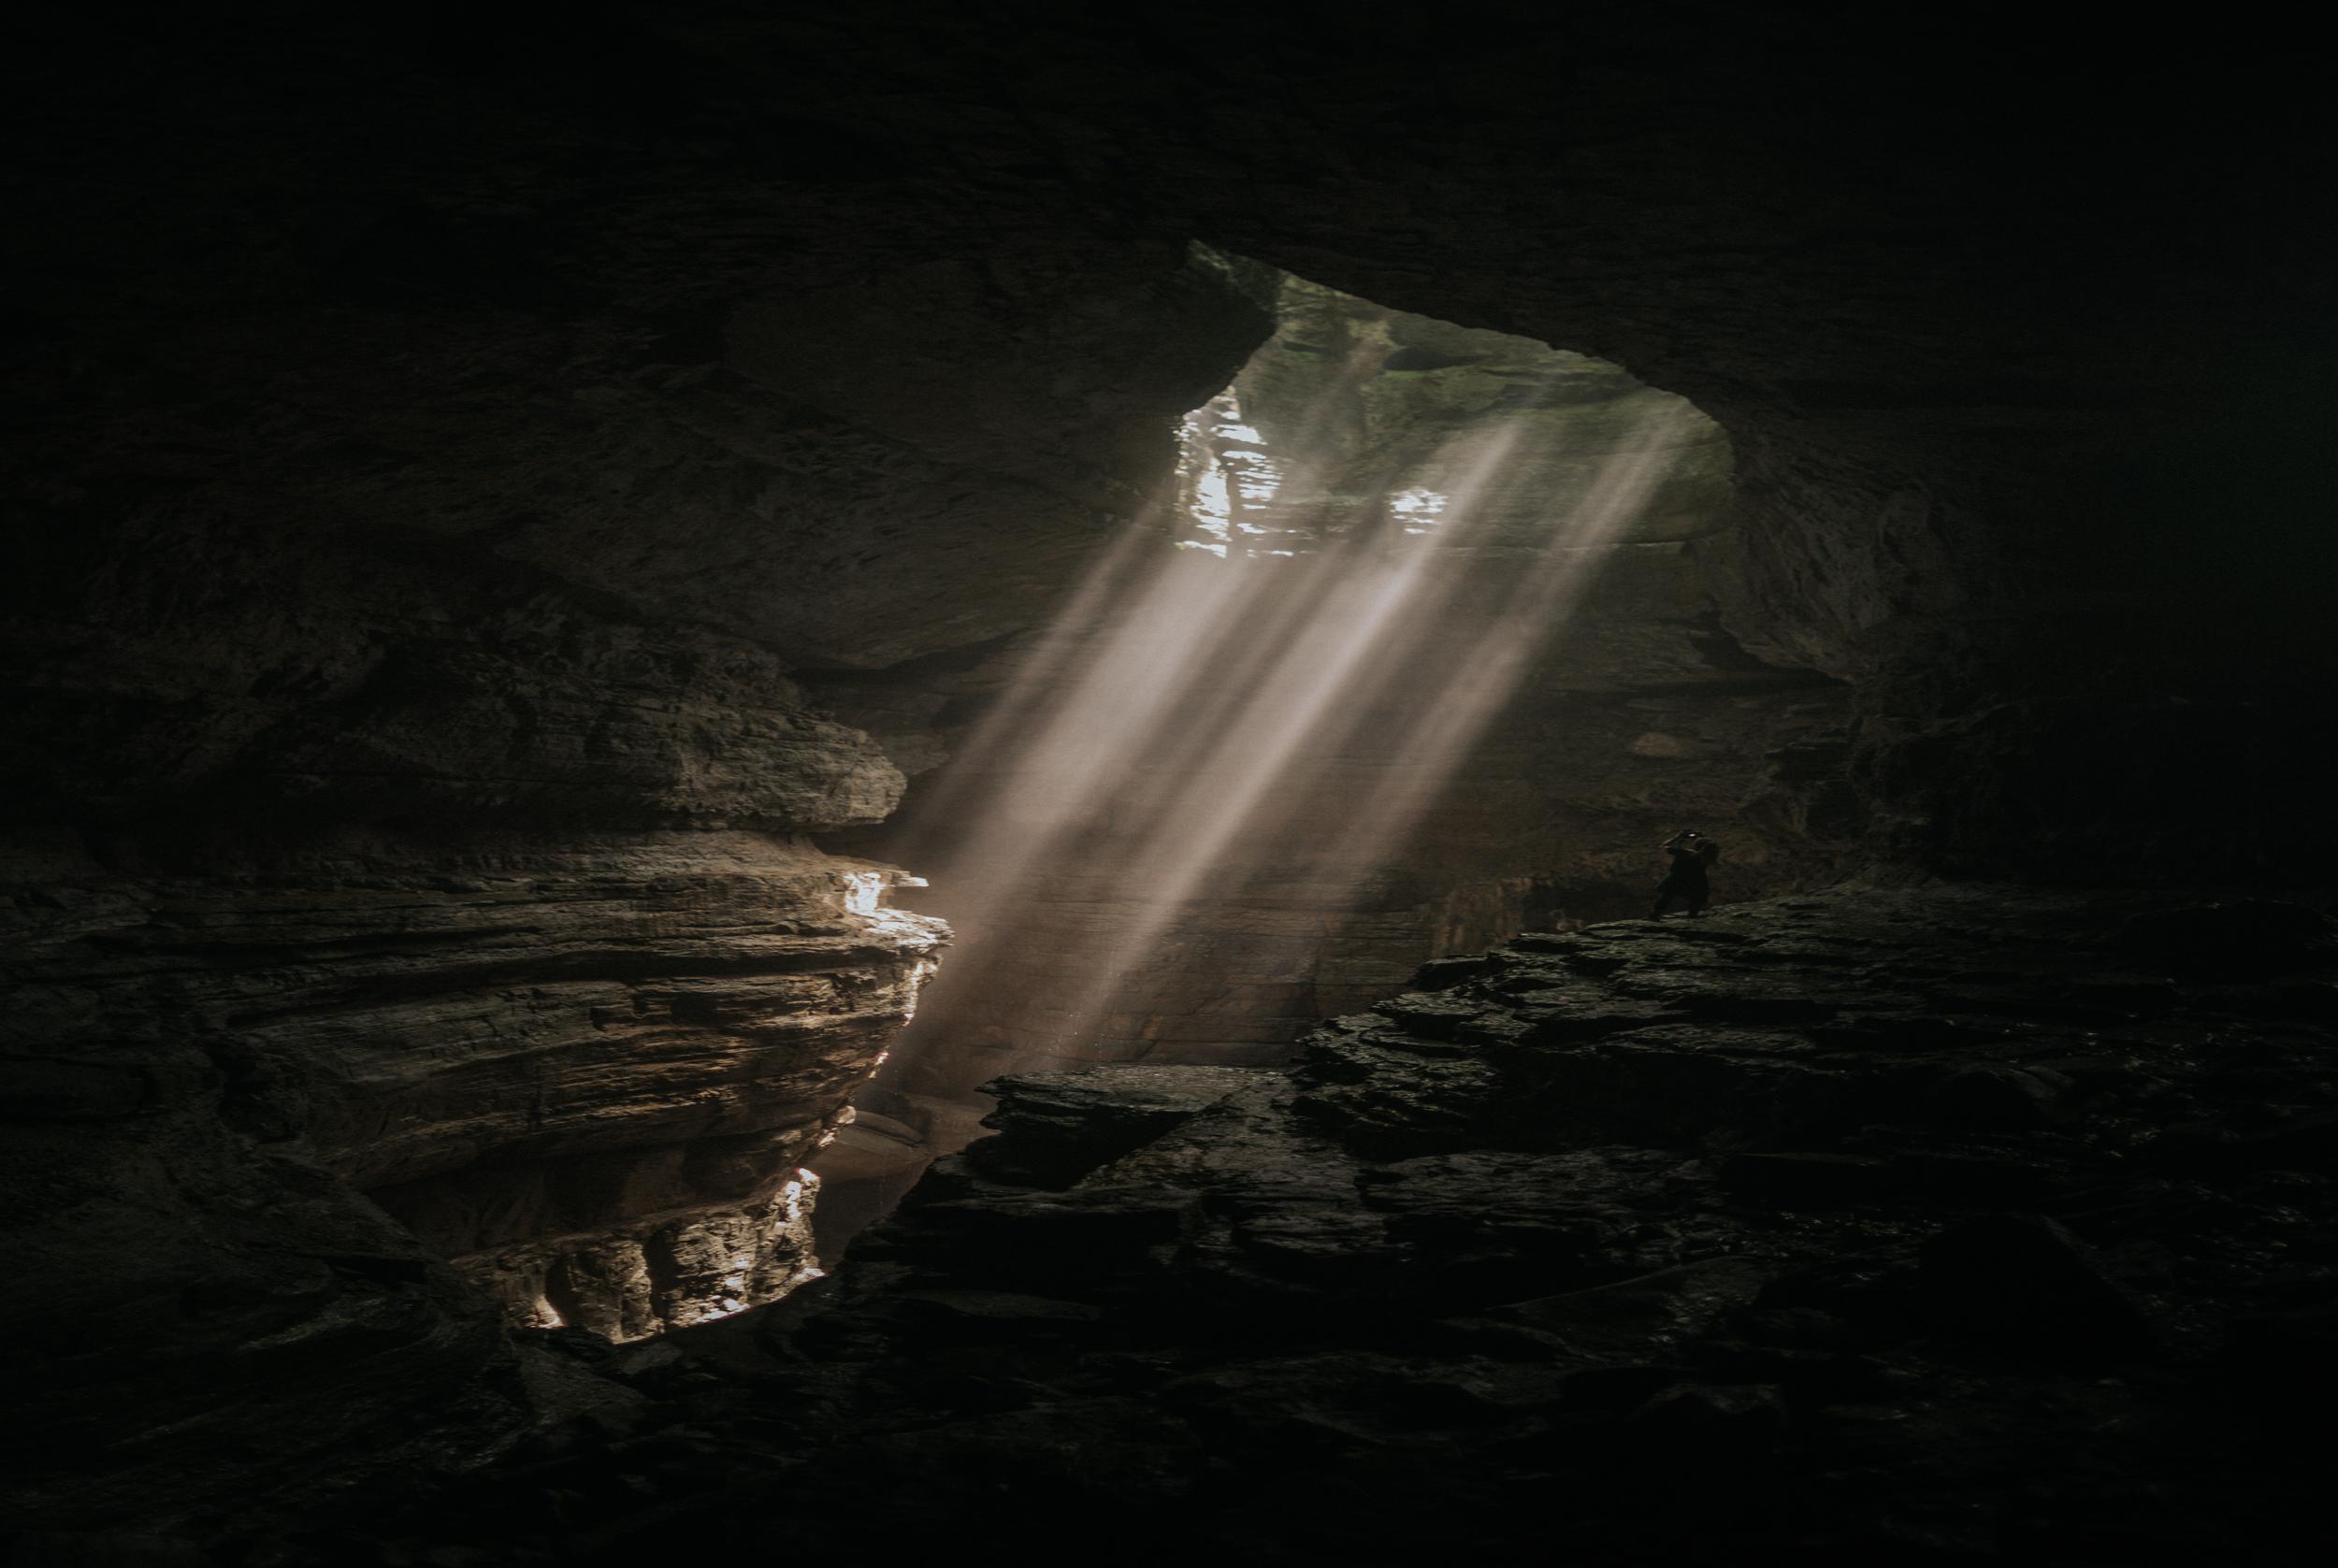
(447, 448)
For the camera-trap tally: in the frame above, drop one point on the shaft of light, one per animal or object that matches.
(1180, 704)
(1483, 679)
(1343, 659)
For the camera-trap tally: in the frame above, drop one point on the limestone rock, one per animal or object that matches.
(586, 1071)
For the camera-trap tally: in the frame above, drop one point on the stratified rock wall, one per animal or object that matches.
(587, 1070)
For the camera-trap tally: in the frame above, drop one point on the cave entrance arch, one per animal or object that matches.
(1418, 649)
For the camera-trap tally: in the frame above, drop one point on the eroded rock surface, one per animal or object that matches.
(587, 1071)
(1927, 1224)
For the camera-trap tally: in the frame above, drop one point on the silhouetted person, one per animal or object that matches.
(1693, 856)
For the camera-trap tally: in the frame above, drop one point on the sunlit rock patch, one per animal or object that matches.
(587, 1070)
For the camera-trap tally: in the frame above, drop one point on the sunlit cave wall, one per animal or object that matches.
(1423, 650)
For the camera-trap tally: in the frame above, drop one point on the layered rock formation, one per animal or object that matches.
(1967, 1225)
(646, 1173)
(587, 1071)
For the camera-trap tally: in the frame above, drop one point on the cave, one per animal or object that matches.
(893, 780)
(1413, 649)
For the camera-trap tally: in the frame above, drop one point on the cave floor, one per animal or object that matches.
(1934, 1224)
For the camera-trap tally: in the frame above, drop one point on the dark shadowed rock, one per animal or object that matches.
(2024, 1284)
(1441, 974)
(2285, 1364)
(1993, 1098)
(1827, 1180)
(1716, 1423)
(1654, 1310)
(2246, 936)
(1058, 1126)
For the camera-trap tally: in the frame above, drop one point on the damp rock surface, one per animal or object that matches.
(1570, 1245)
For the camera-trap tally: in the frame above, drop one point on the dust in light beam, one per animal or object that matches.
(1193, 687)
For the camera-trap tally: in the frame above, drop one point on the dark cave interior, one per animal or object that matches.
(531, 547)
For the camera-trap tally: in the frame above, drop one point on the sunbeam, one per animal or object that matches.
(1308, 591)
(1359, 644)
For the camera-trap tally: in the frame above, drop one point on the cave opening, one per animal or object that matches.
(1413, 648)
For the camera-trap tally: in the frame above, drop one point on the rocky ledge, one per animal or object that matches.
(256, 1124)
(1916, 1225)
